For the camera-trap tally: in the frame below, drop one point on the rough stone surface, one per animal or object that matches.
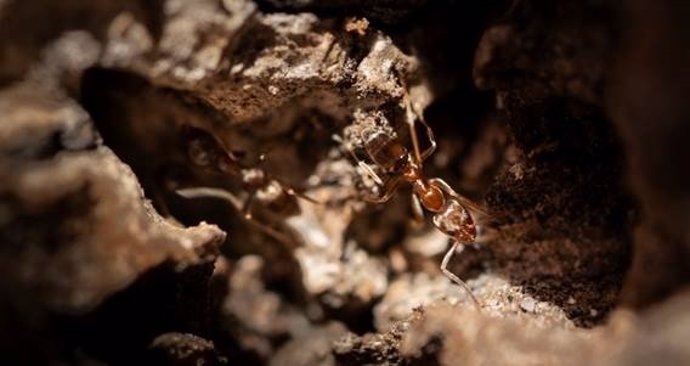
(64, 200)
(76, 228)
(184, 349)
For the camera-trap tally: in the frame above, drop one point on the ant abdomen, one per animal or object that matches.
(455, 221)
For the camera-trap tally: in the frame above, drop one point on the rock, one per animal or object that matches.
(528, 304)
(311, 348)
(414, 292)
(258, 315)
(550, 86)
(277, 59)
(76, 227)
(184, 349)
(384, 11)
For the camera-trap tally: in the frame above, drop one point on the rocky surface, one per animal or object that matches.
(177, 182)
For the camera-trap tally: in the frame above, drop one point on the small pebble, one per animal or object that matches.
(528, 304)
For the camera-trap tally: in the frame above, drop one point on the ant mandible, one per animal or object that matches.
(451, 211)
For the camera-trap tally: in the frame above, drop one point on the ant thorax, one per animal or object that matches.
(273, 197)
(270, 192)
(366, 124)
(253, 177)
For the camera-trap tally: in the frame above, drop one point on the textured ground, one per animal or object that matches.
(566, 120)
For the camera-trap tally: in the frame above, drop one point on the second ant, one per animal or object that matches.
(205, 152)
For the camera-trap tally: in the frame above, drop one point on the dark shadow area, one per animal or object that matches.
(565, 231)
(122, 330)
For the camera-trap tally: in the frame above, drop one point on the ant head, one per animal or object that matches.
(200, 145)
(384, 149)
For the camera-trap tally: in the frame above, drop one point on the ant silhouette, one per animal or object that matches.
(451, 211)
(204, 151)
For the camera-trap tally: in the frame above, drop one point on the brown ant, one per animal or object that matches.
(208, 154)
(450, 210)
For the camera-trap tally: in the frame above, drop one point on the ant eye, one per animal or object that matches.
(198, 155)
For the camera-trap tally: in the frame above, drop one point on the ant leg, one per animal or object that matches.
(364, 166)
(275, 234)
(247, 206)
(209, 192)
(412, 116)
(393, 184)
(417, 212)
(432, 140)
(389, 192)
(453, 277)
(242, 207)
(292, 192)
(370, 172)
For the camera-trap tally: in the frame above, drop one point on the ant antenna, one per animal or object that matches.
(410, 117)
(218, 193)
(367, 169)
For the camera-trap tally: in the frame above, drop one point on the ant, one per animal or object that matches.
(207, 153)
(451, 211)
